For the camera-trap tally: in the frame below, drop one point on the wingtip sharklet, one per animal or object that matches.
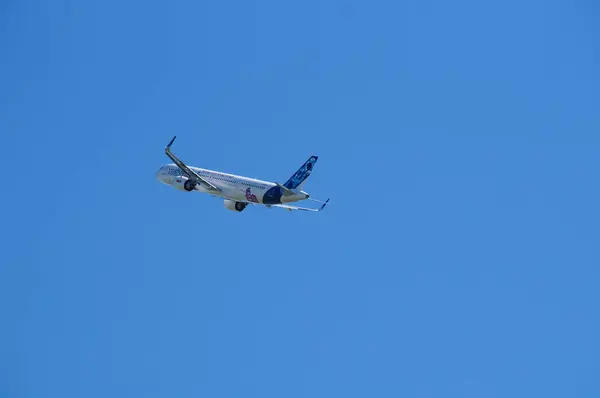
(170, 143)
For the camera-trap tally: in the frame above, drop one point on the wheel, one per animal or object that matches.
(239, 206)
(189, 185)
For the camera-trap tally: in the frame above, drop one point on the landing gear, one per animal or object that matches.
(239, 206)
(189, 185)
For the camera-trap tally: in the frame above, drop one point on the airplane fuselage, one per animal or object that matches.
(231, 186)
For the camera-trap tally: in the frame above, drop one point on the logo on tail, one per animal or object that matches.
(302, 173)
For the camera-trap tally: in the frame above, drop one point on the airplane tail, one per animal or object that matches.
(297, 180)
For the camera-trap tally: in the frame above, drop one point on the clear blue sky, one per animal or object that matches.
(459, 142)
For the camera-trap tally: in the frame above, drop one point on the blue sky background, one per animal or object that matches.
(459, 144)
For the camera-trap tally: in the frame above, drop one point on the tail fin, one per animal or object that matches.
(302, 174)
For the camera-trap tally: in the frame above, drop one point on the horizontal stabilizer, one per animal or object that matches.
(286, 191)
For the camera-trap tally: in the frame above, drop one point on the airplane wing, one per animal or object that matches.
(191, 174)
(292, 208)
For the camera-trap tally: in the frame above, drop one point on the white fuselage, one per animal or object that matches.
(233, 187)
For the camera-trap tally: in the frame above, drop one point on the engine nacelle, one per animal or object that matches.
(184, 184)
(234, 206)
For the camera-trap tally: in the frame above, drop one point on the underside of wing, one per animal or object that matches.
(191, 174)
(292, 208)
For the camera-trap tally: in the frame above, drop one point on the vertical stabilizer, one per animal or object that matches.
(302, 174)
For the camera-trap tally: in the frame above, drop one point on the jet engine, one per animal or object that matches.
(234, 206)
(184, 184)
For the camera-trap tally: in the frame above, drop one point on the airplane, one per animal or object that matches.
(238, 191)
